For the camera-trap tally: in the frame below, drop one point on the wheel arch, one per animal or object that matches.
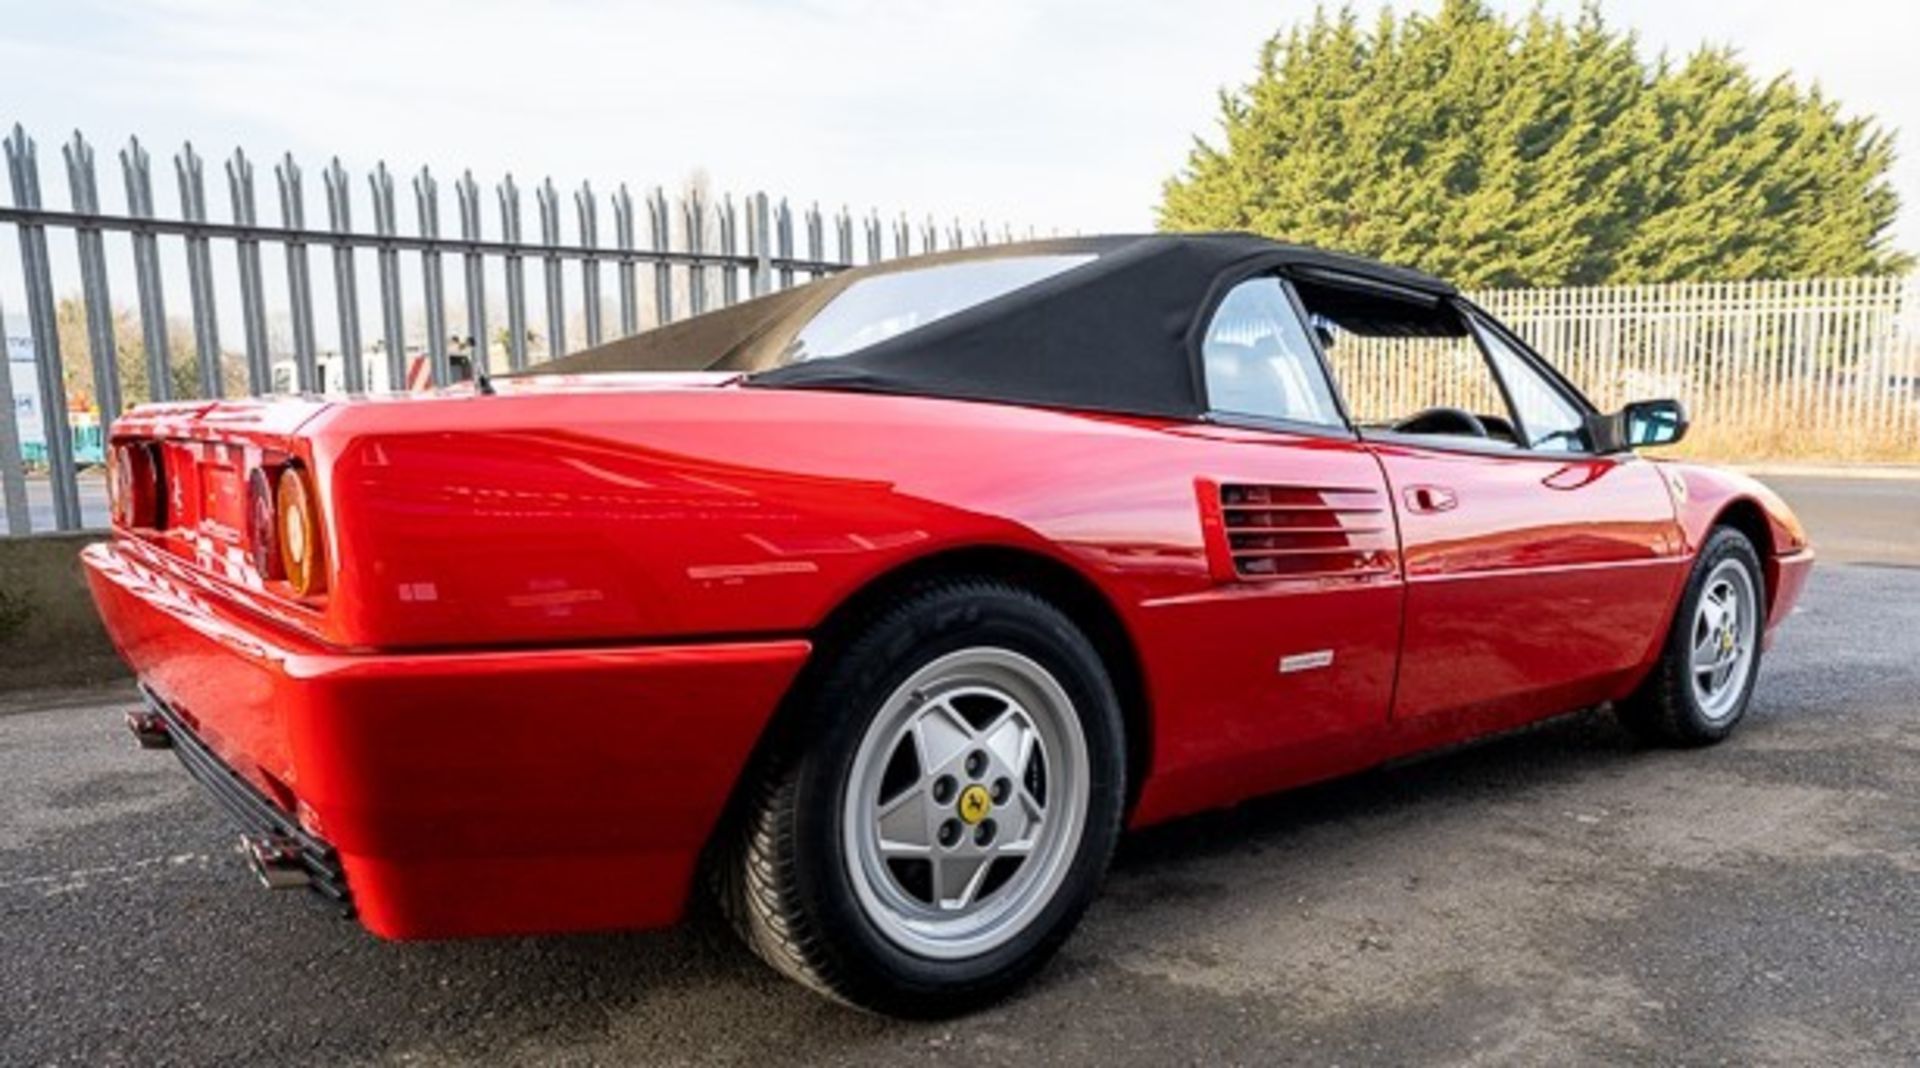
(1747, 516)
(1706, 498)
(1049, 578)
(1053, 580)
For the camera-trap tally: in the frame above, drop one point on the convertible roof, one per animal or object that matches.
(1113, 334)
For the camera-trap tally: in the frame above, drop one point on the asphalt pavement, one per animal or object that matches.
(1856, 520)
(1557, 896)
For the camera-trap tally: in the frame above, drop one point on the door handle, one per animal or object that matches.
(1430, 499)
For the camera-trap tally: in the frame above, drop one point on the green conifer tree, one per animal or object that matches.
(1537, 151)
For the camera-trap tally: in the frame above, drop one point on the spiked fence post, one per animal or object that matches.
(816, 240)
(843, 233)
(137, 167)
(783, 242)
(467, 192)
(761, 232)
(547, 200)
(589, 209)
(206, 313)
(729, 251)
(23, 168)
(516, 275)
(660, 225)
(91, 245)
(293, 216)
(346, 282)
(695, 209)
(253, 290)
(393, 326)
(627, 273)
(426, 197)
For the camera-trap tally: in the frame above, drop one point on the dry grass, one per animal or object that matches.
(1751, 444)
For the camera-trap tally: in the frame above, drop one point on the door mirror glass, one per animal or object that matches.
(1641, 424)
(1655, 422)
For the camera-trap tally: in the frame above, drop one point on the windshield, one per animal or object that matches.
(874, 309)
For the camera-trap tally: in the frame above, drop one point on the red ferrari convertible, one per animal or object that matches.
(881, 605)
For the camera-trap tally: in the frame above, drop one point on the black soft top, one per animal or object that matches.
(1117, 333)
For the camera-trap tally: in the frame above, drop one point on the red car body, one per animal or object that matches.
(560, 618)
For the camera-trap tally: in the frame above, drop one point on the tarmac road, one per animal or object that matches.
(1855, 520)
(1557, 896)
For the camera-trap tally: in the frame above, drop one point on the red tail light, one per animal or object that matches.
(263, 526)
(135, 486)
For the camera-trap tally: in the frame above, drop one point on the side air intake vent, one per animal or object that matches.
(1277, 531)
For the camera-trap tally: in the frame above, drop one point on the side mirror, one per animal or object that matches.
(1641, 423)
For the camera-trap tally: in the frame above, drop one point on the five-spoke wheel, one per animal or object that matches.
(943, 808)
(967, 797)
(1700, 688)
(1723, 638)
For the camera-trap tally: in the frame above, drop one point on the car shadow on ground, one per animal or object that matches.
(624, 984)
(1552, 750)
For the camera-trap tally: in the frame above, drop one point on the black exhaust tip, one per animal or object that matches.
(149, 729)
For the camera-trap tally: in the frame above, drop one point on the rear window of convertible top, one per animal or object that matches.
(874, 309)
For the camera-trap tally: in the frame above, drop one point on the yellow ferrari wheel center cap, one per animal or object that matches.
(974, 803)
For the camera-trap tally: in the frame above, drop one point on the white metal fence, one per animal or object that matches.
(263, 316)
(1824, 369)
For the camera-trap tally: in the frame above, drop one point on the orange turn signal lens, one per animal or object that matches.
(302, 547)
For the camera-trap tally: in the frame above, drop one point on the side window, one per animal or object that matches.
(1259, 361)
(1407, 364)
(1550, 422)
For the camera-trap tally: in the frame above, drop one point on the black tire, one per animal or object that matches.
(785, 883)
(1665, 710)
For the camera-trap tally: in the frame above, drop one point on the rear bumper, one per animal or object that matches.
(258, 818)
(464, 793)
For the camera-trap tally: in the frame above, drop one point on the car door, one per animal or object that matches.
(1289, 655)
(1538, 574)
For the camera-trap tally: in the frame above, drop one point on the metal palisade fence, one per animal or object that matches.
(1824, 369)
(275, 303)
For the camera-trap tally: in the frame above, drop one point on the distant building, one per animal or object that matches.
(23, 374)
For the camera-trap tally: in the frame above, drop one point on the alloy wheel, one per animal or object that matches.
(965, 803)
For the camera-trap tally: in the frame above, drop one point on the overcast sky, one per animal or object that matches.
(1065, 113)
